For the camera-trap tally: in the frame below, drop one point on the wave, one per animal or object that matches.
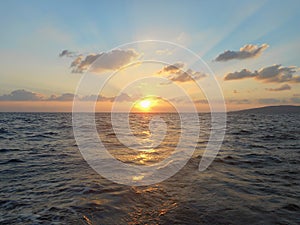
(3, 131)
(292, 207)
(13, 161)
(9, 149)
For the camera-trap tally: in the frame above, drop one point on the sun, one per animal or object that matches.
(145, 104)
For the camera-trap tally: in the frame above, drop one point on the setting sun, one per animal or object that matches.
(145, 104)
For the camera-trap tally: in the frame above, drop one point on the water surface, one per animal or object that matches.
(254, 179)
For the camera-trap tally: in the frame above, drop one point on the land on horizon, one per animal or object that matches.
(273, 108)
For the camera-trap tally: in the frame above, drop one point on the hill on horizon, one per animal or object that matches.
(272, 109)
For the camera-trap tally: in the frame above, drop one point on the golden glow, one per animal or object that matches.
(137, 178)
(145, 104)
(152, 104)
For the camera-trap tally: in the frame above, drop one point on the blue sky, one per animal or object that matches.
(35, 32)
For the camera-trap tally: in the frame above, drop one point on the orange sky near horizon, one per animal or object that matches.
(66, 106)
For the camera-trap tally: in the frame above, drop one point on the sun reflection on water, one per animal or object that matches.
(156, 208)
(152, 146)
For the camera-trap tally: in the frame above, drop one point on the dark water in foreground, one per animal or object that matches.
(254, 180)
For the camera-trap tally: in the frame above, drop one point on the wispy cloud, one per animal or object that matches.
(245, 52)
(177, 73)
(270, 74)
(283, 87)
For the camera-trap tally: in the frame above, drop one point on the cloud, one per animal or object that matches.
(239, 75)
(112, 60)
(76, 61)
(172, 68)
(123, 97)
(283, 87)
(268, 101)
(270, 74)
(101, 98)
(67, 53)
(62, 97)
(201, 101)
(189, 75)
(81, 64)
(278, 73)
(239, 101)
(90, 98)
(22, 95)
(184, 100)
(295, 100)
(247, 51)
(176, 73)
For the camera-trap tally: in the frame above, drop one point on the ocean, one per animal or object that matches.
(255, 178)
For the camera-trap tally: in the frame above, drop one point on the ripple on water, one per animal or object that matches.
(254, 179)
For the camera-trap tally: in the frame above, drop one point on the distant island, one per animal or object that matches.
(272, 109)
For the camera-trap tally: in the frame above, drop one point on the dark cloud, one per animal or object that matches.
(67, 53)
(22, 95)
(112, 60)
(172, 68)
(270, 74)
(247, 51)
(283, 87)
(176, 73)
(278, 73)
(239, 75)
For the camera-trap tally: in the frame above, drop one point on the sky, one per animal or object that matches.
(53, 51)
